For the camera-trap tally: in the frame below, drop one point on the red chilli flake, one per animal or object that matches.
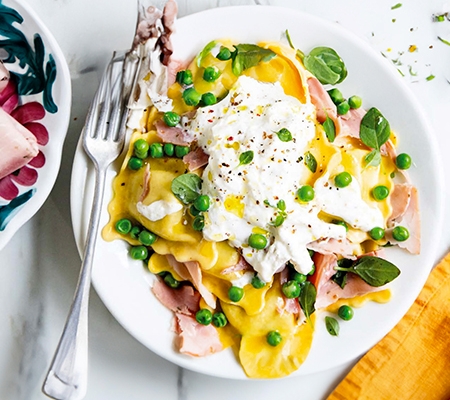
(230, 139)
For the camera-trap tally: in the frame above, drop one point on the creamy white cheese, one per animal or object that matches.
(158, 209)
(244, 196)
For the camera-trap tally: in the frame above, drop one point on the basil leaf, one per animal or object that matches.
(374, 130)
(307, 299)
(186, 188)
(332, 326)
(375, 271)
(249, 55)
(206, 50)
(310, 162)
(284, 135)
(340, 278)
(246, 157)
(373, 159)
(330, 129)
(281, 205)
(279, 219)
(326, 65)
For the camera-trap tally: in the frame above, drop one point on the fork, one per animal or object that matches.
(103, 141)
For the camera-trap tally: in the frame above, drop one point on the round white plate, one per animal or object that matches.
(15, 212)
(123, 284)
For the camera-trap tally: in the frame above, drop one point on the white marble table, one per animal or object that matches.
(39, 267)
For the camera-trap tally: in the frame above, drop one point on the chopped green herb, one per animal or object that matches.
(246, 157)
(284, 135)
(430, 77)
(398, 5)
(310, 162)
(444, 41)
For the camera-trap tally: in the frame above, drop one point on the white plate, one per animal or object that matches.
(13, 217)
(123, 284)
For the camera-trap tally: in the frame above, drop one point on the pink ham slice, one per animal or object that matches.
(332, 246)
(174, 135)
(242, 265)
(351, 122)
(328, 292)
(195, 339)
(196, 159)
(17, 145)
(408, 217)
(184, 300)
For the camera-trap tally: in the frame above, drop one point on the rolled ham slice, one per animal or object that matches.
(17, 145)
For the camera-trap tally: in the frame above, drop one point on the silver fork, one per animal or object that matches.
(103, 141)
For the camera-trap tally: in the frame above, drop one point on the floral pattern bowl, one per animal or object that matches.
(38, 96)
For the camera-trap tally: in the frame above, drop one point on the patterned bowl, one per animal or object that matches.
(38, 96)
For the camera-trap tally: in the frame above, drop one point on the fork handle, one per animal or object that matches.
(67, 375)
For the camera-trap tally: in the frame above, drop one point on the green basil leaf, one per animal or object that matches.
(186, 188)
(284, 135)
(246, 157)
(249, 55)
(279, 219)
(374, 130)
(307, 299)
(340, 278)
(281, 205)
(375, 271)
(330, 129)
(310, 162)
(332, 326)
(326, 65)
(373, 159)
(206, 50)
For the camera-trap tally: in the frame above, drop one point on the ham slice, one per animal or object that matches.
(174, 135)
(196, 339)
(408, 217)
(184, 300)
(328, 292)
(242, 265)
(196, 159)
(351, 122)
(333, 246)
(17, 145)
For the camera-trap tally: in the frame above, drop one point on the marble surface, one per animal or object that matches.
(39, 267)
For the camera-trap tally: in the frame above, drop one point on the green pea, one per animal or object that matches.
(298, 277)
(181, 151)
(340, 222)
(170, 281)
(147, 238)
(355, 102)
(313, 269)
(305, 193)
(135, 163)
(257, 241)
(336, 96)
(191, 97)
(400, 233)
(343, 108)
(171, 118)
(210, 74)
(291, 289)
(235, 293)
(208, 99)
(184, 77)
(376, 233)
(141, 155)
(139, 252)
(274, 338)
(257, 282)
(194, 211)
(403, 161)
(224, 54)
(343, 179)
(135, 231)
(380, 192)
(199, 222)
(345, 312)
(202, 202)
(156, 150)
(219, 320)
(169, 149)
(141, 147)
(203, 316)
(123, 226)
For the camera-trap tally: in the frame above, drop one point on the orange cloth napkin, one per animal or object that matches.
(413, 360)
